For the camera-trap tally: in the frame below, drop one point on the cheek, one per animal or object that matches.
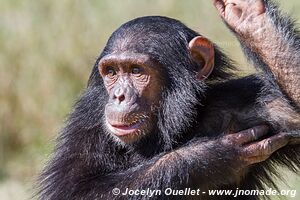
(153, 93)
(107, 110)
(109, 88)
(110, 83)
(141, 84)
(146, 91)
(149, 90)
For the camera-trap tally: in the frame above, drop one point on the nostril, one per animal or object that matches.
(121, 98)
(119, 95)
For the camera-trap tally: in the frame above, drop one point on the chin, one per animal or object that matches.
(130, 138)
(127, 134)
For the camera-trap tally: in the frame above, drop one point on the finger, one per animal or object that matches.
(220, 6)
(232, 12)
(267, 146)
(259, 8)
(249, 135)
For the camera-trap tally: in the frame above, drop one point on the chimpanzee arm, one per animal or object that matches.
(269, 39)
(201, 163)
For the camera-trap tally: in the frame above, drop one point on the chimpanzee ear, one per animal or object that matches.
(203, 52)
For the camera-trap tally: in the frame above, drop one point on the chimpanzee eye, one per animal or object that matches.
(136, 70)
(110, 71)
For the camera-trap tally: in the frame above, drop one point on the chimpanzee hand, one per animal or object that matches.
(270, 41)
(242, 16)
(251, 149)
(207, 159)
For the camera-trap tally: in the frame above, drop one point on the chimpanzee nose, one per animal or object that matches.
(119, 94)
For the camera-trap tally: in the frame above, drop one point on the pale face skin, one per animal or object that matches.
(133, 84)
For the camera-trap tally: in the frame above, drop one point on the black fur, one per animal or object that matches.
(87, 163)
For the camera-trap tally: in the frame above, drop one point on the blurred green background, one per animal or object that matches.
(47, 49)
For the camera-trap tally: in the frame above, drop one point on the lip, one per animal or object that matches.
(123, 129)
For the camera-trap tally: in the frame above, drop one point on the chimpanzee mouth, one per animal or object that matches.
(123, 129)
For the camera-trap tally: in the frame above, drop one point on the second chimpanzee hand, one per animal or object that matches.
(242, 16)
(251, 148)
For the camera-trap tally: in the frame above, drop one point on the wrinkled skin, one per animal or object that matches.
(134, 91)
(147, 119)
(249, 21)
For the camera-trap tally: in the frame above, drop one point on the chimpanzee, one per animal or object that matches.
(165, 109)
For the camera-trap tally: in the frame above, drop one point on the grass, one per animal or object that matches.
(47, 51)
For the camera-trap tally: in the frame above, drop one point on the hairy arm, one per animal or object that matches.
(201, 163)
(269, 39)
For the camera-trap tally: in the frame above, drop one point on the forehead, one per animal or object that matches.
(126, 56)
(121, 57)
